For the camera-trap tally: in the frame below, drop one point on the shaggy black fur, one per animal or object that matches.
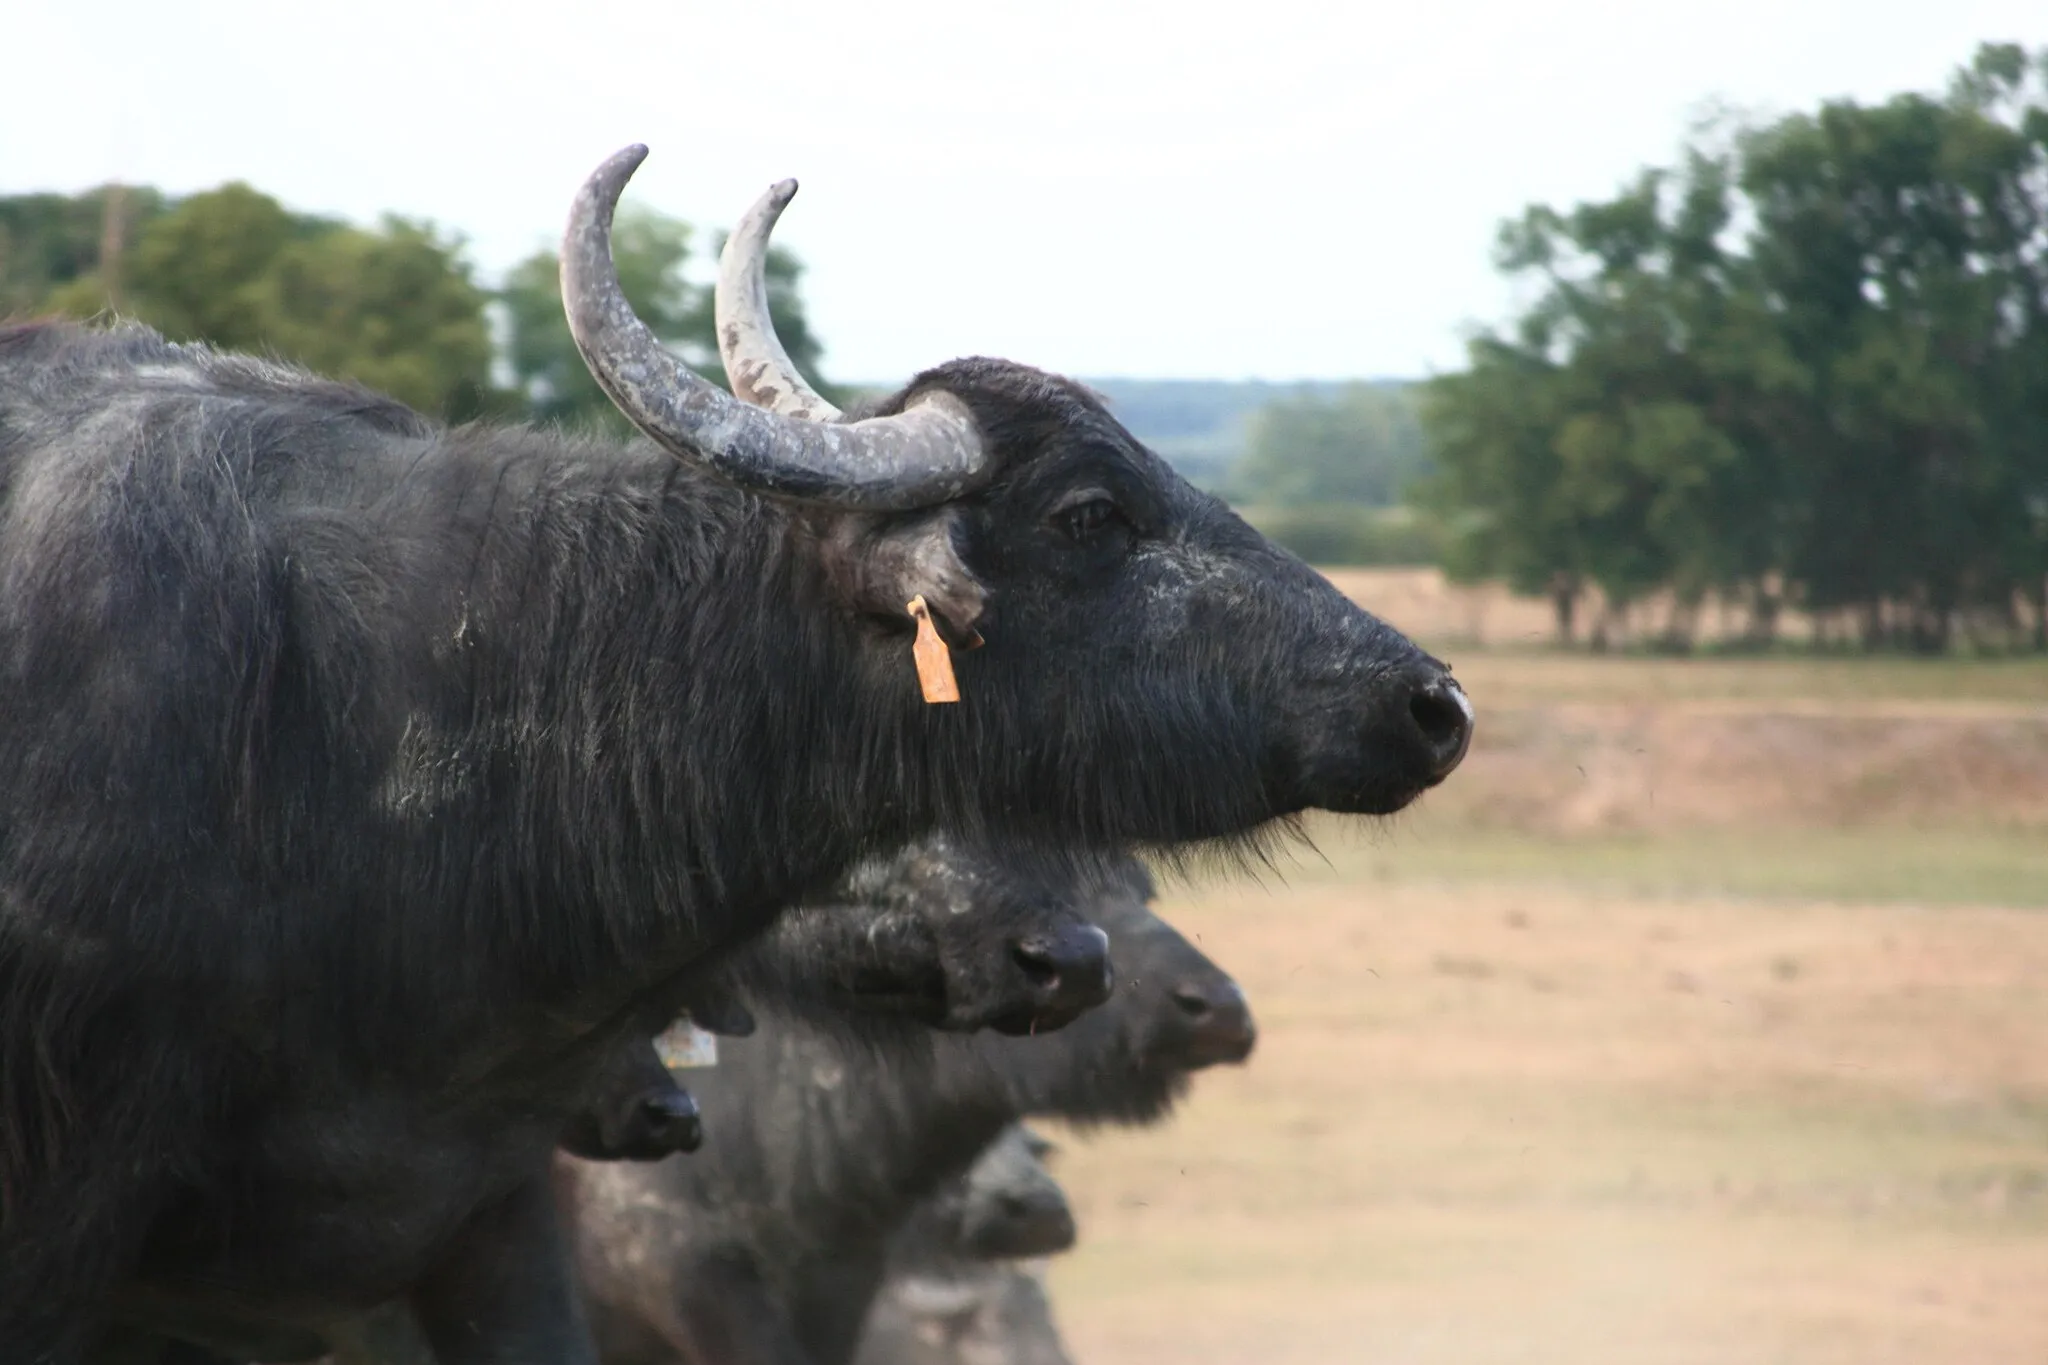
(368, 780)
(768, 1244)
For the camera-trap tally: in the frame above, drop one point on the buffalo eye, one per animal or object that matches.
(1087, 515)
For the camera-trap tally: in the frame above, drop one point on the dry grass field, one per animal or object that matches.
(1488, 615)
(1703, 1019)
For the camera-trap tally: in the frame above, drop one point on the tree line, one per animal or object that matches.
(1806, 366)
(1329, 473)
(396, 306)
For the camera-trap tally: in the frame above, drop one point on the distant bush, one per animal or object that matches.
(1350, 535)
(1359, 443)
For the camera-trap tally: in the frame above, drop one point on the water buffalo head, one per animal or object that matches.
(636, 1111)
(954, 937)
(1154, 668)
(1009, 1205)
(1175, 1012)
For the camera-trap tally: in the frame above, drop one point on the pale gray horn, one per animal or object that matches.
(935, 1297)
(760, 370)
(931, 453)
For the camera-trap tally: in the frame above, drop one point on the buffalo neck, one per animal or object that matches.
(667, 730)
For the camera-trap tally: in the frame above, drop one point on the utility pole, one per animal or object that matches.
(113, 237)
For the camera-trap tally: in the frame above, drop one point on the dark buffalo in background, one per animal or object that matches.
(965, 1283)
(1006, 1205)
(768, 1244)
(952, 935)
(965, 1312)
(370, 780)
(938, 935)
(639, 1112)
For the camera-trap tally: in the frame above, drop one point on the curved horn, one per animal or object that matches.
(760, 370)
(931, 453)
(936, 1298)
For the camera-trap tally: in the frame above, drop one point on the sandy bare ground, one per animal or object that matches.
(1686, 765)
(1486, 1125)
(1510, 1106)
(1486, 614)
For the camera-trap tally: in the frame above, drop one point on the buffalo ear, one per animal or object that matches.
(880, 566)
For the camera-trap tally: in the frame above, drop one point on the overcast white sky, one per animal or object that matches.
(1287, 189)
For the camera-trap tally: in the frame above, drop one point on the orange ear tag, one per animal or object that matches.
(934, 660)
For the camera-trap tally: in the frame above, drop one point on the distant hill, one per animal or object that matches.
(1197, 424)
(1200, 424)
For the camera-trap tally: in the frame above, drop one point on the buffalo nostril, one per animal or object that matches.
(1035, 958)
(1443, 715)
(1071, 963)
(672, 1121)
(1023, 1226)
(1221, 1018)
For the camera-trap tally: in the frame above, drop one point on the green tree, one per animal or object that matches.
(1599, 444)
(51, 241)
(1498, 482)
(196, 273)
(395, 307)
(1813, 362)
(394, 310)
(1902, 246)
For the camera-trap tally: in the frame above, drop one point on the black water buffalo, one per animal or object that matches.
(959, 1289)
(964, 1311)
(954, 936)
(370, 779)
(938, 935)
(1004, 1206)
(767, 1245)
(639, 1114)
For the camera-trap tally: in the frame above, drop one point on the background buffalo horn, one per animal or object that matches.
(936, 1298)
(760, 370)
(931, 453)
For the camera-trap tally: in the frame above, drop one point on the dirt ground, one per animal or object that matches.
(1705, 1019)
